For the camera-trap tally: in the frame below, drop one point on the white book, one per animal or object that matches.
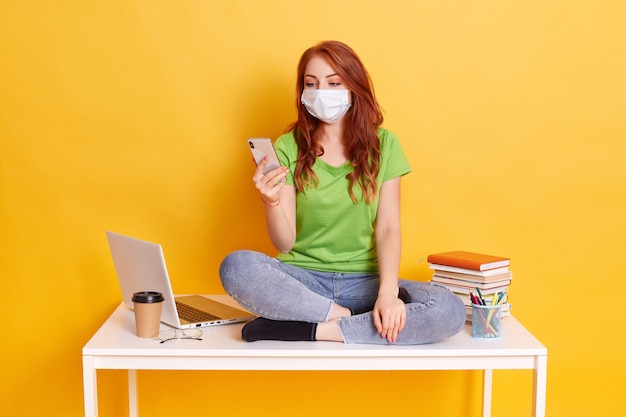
(488, 273)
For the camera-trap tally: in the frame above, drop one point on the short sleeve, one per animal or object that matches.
(393, 160)
(287, 151)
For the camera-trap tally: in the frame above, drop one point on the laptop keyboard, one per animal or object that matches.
(192, 314)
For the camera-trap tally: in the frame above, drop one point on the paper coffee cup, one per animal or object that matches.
(148, 305)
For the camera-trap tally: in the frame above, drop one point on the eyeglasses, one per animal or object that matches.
(166, 335)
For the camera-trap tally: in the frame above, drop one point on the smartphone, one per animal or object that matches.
(262, 147)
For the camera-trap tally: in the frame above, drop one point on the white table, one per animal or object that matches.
(115, 346)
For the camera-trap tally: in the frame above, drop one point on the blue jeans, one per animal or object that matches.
(278, 291)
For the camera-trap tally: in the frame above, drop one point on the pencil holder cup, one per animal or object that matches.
(486, 321)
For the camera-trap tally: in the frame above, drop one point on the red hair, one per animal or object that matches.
(361, 122)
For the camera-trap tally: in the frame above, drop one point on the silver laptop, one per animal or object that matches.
(140, 266)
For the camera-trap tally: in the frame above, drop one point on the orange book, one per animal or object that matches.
(469, 260)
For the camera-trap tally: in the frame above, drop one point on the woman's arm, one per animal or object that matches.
(281, 220)
(389, 311)
(280, 206)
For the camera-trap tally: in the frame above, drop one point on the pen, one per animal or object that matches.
(495, 299)
(500, 297)
(494, 302)
(474, 299)
(480, 296)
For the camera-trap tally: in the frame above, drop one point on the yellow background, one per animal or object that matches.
(131, 116)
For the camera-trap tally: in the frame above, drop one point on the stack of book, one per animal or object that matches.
(464, 272)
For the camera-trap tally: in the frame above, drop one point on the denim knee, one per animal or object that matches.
(454, 314)
(231, 269)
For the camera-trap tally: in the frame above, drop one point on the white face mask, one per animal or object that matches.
(326, 105)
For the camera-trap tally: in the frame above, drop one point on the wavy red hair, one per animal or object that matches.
(361, 122)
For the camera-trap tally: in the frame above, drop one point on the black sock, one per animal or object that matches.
(404, 295)
(265, 329)
(355, 311)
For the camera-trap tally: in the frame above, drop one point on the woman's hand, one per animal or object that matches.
(389, 316)
(270, 184)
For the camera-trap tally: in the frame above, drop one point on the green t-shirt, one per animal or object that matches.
(332, 232)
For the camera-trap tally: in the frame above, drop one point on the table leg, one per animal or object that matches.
(90, 387)
(487, 390)
(132, 393)
(540, 386)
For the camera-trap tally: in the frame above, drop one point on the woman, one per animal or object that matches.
(333, 212)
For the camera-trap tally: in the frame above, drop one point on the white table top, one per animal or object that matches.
(117, 337)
